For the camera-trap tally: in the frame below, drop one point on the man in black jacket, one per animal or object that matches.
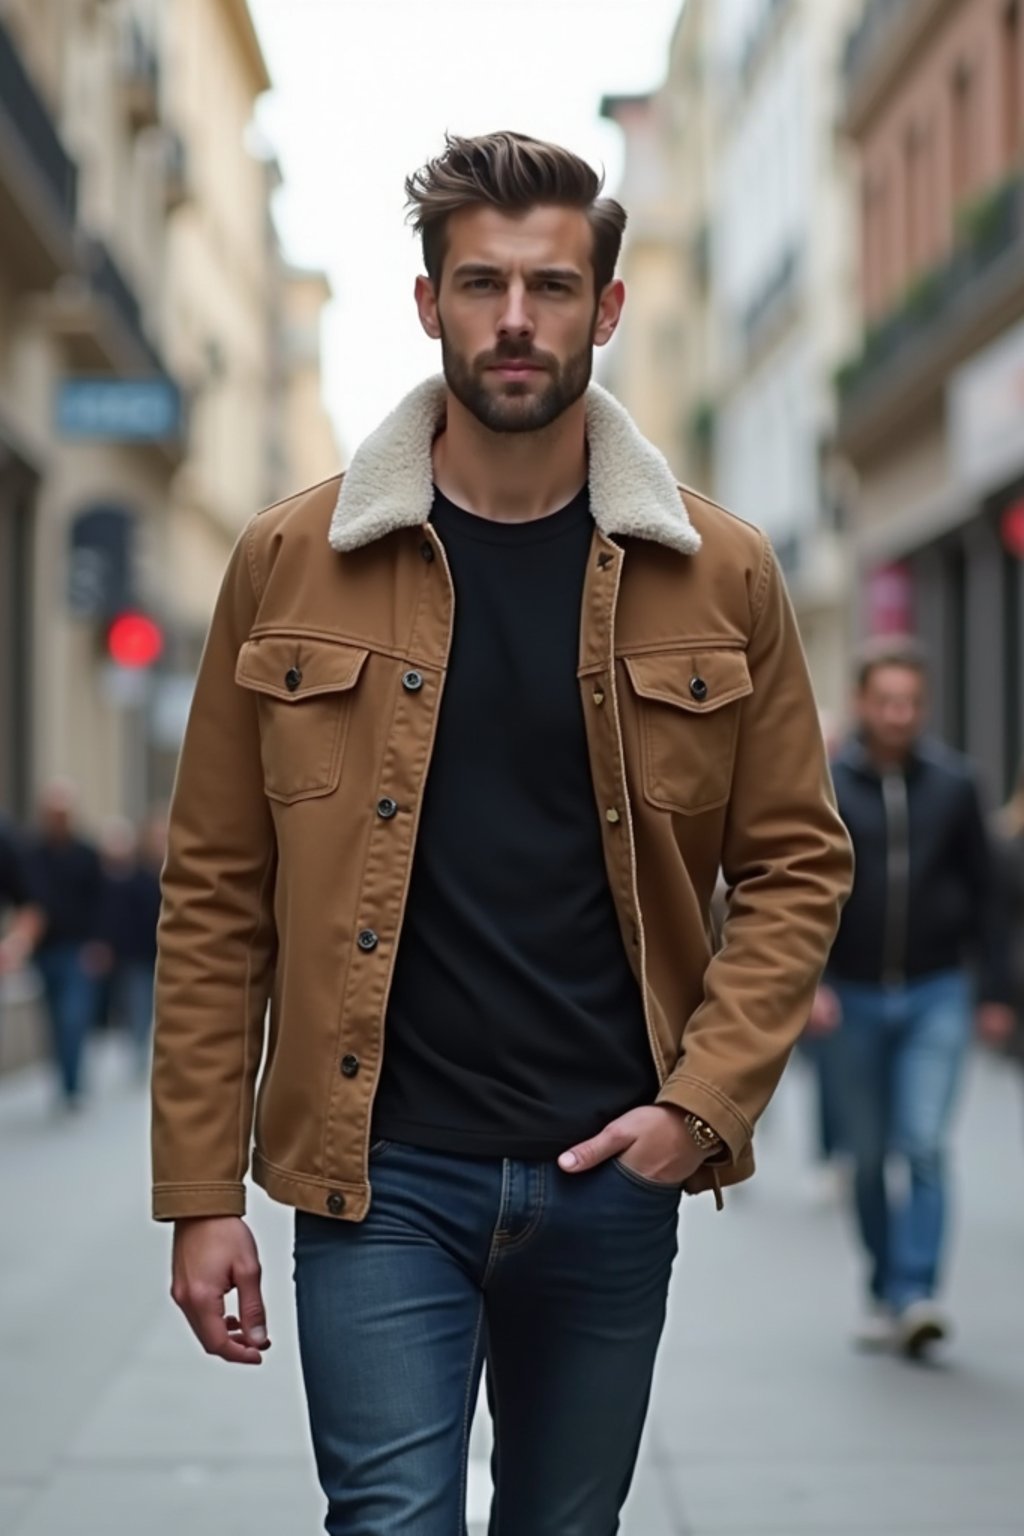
(924, 908)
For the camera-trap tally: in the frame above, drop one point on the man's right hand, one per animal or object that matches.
(826, 1014)
(212, 1256)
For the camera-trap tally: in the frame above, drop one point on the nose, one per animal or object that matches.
(515, 319)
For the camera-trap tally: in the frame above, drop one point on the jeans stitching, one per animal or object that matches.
(496, 1235)
(512, 1245)
(464, 1465)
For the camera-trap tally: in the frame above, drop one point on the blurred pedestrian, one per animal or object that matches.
(1009, 841)
(520, 1036)
(21, 917)
(129, 912)
(65, 873)
(924, 907)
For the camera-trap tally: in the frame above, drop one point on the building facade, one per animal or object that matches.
(153, 346)
(742, 254)
(932, 418)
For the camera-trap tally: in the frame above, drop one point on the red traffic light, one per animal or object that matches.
(1012, 528)
(134, 640)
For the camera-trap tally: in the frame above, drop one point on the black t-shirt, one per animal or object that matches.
(515, 1024)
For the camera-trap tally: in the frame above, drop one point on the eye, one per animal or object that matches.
(555, 285)
(481, 283)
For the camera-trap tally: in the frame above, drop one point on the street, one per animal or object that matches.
(112, 1422)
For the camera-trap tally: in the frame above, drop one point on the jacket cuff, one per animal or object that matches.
(709, 1104)
(173, 1201)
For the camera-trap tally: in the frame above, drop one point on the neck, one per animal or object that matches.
(886, 760)
(511, 477)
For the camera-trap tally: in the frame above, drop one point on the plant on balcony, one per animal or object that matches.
(986, 221)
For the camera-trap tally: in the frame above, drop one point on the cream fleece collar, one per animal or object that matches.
(390, 482)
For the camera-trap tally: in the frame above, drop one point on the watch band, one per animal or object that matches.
(705, 1136)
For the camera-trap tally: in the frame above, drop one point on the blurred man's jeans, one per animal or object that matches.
(558, 1280)
(71, 1005)
(903, 1052)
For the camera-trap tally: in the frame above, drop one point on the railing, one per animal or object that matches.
(21, 103)
(774, 295)
(109, 283)
(989, 229)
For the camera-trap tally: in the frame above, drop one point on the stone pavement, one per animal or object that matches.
(764, 1423)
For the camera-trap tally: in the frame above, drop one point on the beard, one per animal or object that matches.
(516, 407)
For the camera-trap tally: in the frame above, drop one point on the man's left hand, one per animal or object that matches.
(652, 1140)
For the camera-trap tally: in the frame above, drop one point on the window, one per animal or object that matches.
(1013, 61)
(964, 132)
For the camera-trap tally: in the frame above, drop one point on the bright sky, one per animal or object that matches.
(364, 90)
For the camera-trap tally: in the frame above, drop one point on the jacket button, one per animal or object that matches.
(413, 681)
(386, 808)
(335, 1202)
(598, 695)
(427, 550)
(367, 939)
(612, 815)
(349, 1066)
(292, 679)
(699, 688)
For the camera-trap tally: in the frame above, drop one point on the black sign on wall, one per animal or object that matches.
(101, 563)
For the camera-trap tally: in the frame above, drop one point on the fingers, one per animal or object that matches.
(204, 1309)
(251, 1312)
(615, 1138)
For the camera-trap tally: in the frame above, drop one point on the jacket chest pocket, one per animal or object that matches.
(304, 693)
(689, 703)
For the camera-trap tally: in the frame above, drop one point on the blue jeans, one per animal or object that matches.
(71, 1006)
(903, 1052)
(559, 1282)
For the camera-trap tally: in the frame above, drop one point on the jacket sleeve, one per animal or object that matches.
(989, 905)
(788, 865)
(216, 938)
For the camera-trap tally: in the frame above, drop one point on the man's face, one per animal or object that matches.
(891, 707)
(517, 315)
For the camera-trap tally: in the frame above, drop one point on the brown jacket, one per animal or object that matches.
(313, 720)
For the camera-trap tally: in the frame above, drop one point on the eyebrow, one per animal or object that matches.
(485, 269)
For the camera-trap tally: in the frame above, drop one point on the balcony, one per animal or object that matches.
(38, 179)
(97, 315)
(947, 314)
(881, 47)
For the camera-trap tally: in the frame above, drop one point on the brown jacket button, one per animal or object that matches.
(292, 679)
(386, 808)
(427, 550)
(612, 815)
(335, 1202)
(349, 1066)
(413, 681)
(699, 689)
(367, 939)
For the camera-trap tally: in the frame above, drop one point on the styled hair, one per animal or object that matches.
(889, 651)
(514, 173)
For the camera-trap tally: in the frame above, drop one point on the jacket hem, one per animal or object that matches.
(316, 1196)
(173, 1202)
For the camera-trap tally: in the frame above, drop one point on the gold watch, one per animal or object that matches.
(706, 1138)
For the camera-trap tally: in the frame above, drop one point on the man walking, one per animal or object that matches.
(472, 735)
(65, 872)
(924, 902)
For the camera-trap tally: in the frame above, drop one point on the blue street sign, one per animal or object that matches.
(119, 410)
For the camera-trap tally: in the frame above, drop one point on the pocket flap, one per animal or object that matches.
(295, 667)
(700, 681)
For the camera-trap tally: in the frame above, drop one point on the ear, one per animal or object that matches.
(609, 311)
(426, 303)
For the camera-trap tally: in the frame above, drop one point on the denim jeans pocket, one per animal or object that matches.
(655, 1186)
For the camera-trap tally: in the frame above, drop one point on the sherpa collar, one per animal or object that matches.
(390, 482)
